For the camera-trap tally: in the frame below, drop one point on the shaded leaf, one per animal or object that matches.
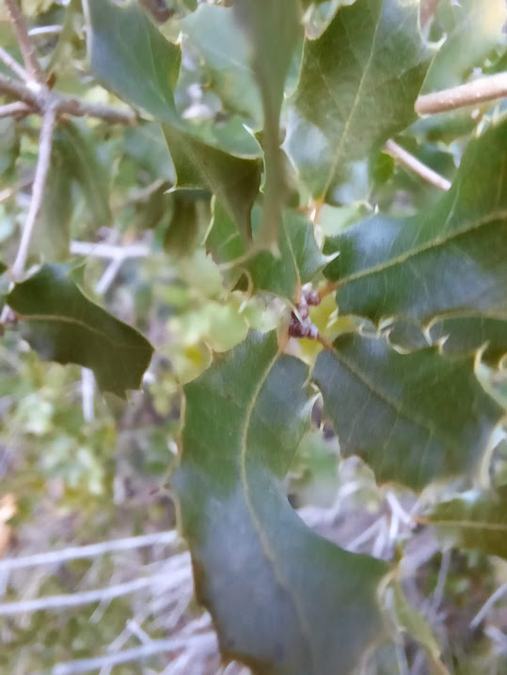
(298, 262)
(273, 30)
(284, 600)
(358, 86)
(476, 520)
(412, 417)
(450, 258)
(63, 325)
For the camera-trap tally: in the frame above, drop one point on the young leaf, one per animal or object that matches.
(476, 520)
(273, 30)
(412, 417)
(358, 86)
(450, 258)
(284, 600)
(299, 259)
(62, 325)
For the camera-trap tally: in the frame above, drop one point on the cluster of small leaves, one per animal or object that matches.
(259, 164)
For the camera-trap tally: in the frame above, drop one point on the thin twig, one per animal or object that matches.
(490, 602)
(25, 44)
(134, 654)
(13, 65)
(16, 109)
(416, 166)
(489, 88)
(40, 99)
(39, 186)
(109, 251)
(59, 602)
(88, 394)
(90, 551)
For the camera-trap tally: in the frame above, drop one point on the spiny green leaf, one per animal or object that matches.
(466, 334)
(273, 30)
(130, 55)
(476, 520)
(478, 30)
(358, 86)
(298, 262)
(62, 325)
(235, 182)
(284, 600)
(449, 259)
(412, 417)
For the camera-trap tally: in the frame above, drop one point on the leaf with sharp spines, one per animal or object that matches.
(63, 325)
(132, 58)
(358, 86)
(475, 520)
(465, 334)
(284, 600)
(413, 418)
(448, 259)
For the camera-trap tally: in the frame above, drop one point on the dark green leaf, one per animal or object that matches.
(284, 600)
(62, 325)
(358, 86)
(467, 334)
(273, 30)
(412, 417)
(476, 520)
(450, 258)
(130, 55)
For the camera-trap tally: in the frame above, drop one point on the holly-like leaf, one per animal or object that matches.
(298, 262)
(273, 30)
(358, 86)
(284, 600)
(475, 520)
(448, 259)
(478, 29)
(412, 417)
(63, 325)
(467, 334)
(132, 58)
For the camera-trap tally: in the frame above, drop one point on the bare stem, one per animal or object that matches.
(25, 44)
(63, 105)
(16, 109)
(489, 88)
(39, 184)
(416, 166)
(13, 65)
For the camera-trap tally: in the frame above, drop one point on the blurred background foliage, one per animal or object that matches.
(77, 467)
